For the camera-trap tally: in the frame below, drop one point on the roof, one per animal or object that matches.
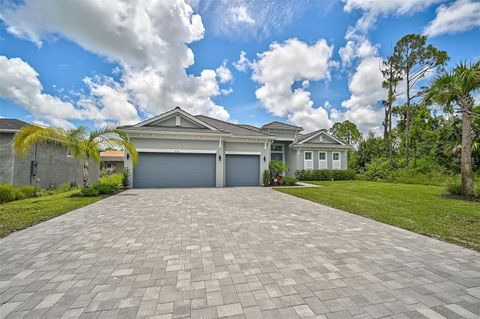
(283, 126)
(234, 129)
(12, 125)
(302, 137)
(109, 153)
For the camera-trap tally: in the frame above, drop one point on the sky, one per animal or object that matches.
(307, 62)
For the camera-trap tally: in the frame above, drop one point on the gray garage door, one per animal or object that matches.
(174, 170)
(243, 170)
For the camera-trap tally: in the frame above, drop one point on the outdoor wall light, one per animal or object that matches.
(128, 156)
(220, 158)
(264, 158)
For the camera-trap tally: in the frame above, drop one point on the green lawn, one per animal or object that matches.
(25, 213)
(419, 208)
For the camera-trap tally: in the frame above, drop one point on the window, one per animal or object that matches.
(277, 152)
(336, 161)
(308, 160)
(322, 160)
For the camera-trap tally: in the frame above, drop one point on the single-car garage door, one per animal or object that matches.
(242, 170)
(174, 170)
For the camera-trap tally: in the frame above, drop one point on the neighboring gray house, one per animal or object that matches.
(177, 149)
(46, 165)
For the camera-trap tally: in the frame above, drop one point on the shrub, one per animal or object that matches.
(115, 179)
(324, 175)
(7, 193)
(64, 188)
(125, 176)
(105, 188)
(28, 192)
(289, 181)
(454, 187)
(89, 191)
(266, 177)
(379, 168)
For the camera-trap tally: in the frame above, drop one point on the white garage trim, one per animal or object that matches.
(157, 150)
(242, 153)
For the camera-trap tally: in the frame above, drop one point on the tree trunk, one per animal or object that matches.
(407, 124)
(466, 104)
(85, 173)
(390, 143)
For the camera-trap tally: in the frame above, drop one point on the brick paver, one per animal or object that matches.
(237, 252)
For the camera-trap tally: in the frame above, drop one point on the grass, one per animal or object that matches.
(27, 212)
(419, 208)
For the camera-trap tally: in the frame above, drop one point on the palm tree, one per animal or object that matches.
(455, 89)
(80, 142)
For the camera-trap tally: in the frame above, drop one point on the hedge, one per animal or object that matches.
(324, 175)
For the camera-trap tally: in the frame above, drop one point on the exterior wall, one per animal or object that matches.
(54, 167)
(281, 134)
(291, 160)
(6, 158)
(301, 157)
(263, 149)
(220, 149)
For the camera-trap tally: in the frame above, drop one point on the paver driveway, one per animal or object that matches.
(240, 252)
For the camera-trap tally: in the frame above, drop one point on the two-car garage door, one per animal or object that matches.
(174, 170)
(194, 170)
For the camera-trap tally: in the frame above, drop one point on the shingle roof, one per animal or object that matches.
(235, 129)
(12, 124)
(283, 126)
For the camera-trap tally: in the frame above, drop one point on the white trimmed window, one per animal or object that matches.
(307, 160)
(276, 153)
(336, 160)
(322, 160)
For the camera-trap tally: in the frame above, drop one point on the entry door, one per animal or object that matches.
(242, 170)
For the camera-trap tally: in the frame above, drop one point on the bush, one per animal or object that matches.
(89, 191)
(379, 168)
(105, 188)
(289, 181)
(115, 179)
(324, 175)
(64, 188)
(125, 176)
(7, 193)
(28, 192)
(454, 187)
(266, 177)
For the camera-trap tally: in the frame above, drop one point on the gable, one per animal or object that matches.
(175, 120)
(321, 137)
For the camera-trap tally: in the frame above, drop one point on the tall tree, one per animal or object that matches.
(455, 89)
(415, 59)
(392, 76)
(347, 132)
(80, 142)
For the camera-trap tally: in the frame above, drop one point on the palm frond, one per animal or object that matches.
(32, 134)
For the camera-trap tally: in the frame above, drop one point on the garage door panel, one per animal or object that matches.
(242, 170)
(174, 170)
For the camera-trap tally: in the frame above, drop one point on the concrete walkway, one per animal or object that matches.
(232, 252)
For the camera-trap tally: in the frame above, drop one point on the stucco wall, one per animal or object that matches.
(6, 158)
(262, 148)
(54, 167)
(301, 157)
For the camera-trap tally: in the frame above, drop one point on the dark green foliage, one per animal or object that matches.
(346, 132)
(125, 176)
(105, 188)
(89, 191)
(266, 177)
(29, 191)
(289, 181)
(7, 193)
(454, 187)
(378, 169)
(324, 175)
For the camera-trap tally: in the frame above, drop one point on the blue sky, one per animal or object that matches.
(310, 63)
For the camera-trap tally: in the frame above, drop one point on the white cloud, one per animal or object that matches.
(223, 73)
(240, 14)
(243, 18)
(243, 63)
(460, 16)
(279, 68)
(148, 39)
(397, 7)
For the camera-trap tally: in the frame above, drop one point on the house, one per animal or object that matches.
(112, 161)
(46, 165)
(178, 149)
